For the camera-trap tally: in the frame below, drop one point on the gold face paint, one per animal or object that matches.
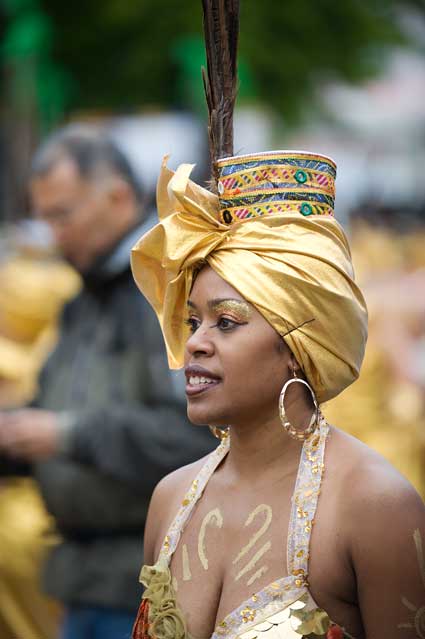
(215, 518)
(417, 614)
(240, 310)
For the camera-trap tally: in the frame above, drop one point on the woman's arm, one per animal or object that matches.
(388, 555)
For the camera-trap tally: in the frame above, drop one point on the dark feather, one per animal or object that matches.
(221, 28)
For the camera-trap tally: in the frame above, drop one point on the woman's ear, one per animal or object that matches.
(294, 367)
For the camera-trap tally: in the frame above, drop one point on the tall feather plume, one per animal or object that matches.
(221, 29)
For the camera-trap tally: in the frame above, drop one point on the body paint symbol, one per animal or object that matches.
(262, 508)
(418, 614)
(215, 518)
(187, 574)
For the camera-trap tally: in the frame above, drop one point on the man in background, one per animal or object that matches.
(109, 420)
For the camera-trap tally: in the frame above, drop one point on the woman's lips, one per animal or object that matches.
(198, 385)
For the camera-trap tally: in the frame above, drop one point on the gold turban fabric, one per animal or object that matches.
(272, 236)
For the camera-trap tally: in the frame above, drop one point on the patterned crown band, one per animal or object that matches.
(275, 182)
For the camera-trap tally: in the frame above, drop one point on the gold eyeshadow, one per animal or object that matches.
(239, 309)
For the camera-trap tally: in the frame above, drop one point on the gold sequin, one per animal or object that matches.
(247, 614)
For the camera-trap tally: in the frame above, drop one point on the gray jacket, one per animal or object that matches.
(124, 426)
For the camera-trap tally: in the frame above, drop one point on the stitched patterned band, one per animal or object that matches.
(276, 182)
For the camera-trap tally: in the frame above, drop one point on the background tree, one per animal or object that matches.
(126, 55)
(121, 56)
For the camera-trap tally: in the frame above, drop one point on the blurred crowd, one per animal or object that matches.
(92, 416)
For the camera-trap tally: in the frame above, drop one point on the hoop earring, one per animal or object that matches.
(219, 433)
(295, 433)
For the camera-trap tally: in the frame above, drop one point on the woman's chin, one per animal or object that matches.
(204, 417)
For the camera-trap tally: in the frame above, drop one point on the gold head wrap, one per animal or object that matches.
(272, 236)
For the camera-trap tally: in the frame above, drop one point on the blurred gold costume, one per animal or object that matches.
(32, 293)
(385, 408)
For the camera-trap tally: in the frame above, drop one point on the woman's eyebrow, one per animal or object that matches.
(219, 300)
(223, 300)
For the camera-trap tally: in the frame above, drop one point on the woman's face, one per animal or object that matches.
(235, 362)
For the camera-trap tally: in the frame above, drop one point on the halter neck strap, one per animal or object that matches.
(304, 501)
(191, 498)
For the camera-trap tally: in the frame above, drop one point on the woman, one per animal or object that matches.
(254, 290)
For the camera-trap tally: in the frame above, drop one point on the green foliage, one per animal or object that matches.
(125, 55)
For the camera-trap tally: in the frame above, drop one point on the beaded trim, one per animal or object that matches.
(301, 183)
(304, 501)
(277, 595)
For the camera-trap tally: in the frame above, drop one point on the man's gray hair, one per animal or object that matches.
(93, 153)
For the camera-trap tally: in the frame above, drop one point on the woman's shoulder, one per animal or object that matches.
(364, 471)
(172, 487)
(165, 503)
(369, 491)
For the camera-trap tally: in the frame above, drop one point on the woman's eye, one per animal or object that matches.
(193, 323)
(226, 324)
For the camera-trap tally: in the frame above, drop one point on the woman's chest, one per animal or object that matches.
(230, 550)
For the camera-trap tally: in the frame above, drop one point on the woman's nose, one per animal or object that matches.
(200, 343)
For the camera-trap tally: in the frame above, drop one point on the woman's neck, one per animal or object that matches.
(258, 447)
(256, 453)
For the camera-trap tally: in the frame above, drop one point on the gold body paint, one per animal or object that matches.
(418, 614)
(260, 572)
(262, 508)
(213, 517)
(253, 562)
(187, 574)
